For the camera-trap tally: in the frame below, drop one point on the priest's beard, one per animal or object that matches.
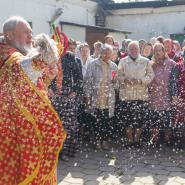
(25, 49)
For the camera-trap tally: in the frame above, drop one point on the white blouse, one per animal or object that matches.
(32, 74)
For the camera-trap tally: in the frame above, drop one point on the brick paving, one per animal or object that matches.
(164, 166)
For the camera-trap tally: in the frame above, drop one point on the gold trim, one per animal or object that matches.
(9, 64)
(29, 117)
(46, 100)
(42, 96)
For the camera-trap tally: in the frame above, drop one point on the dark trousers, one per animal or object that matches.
(102, 127)
(86, 122)
(67, 111)
(132, 113)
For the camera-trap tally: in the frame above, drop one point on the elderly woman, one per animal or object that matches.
(179, 121)
(65, 102)
(134, 74)
(142, 42)
(97, 50)
(173, 50)
(84, 57)
(108, 39)
(147, 51)
(100, 84)
(162, 93)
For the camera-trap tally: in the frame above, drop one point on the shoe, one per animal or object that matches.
(65, 158)
(105, 145)
(137, 145)
(153, 144)
(129, 145)
(168, 144)
(97, 146)
(179, 146)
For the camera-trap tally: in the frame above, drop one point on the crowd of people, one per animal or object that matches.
(134, 93)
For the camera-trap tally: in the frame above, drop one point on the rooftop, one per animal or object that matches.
(146, 4)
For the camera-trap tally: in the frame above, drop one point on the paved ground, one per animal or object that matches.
(163, 166)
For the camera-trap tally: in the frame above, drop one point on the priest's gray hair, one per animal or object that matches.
(11, 23)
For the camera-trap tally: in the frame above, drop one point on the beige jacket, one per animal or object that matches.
(140, 69)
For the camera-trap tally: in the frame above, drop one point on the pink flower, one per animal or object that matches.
(113, 74)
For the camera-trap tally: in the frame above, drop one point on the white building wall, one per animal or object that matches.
(78, 11)
(149, 22)
(118, 37)
(73, 32)
(39, 12)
